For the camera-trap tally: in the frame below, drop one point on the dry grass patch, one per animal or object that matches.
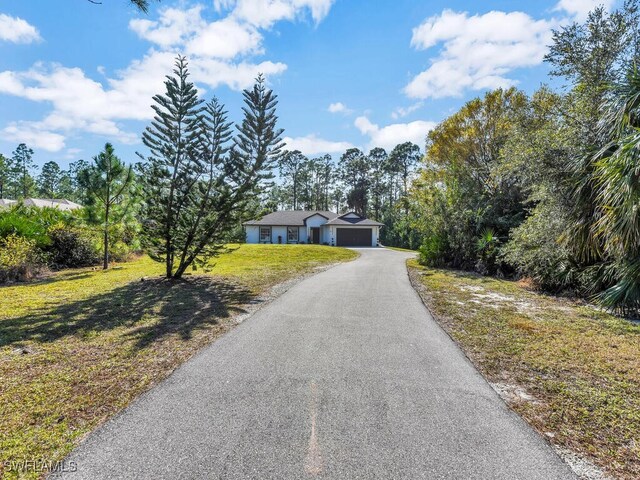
(78, 346)
(572, 371)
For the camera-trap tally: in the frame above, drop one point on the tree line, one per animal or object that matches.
(546, 186)
(20, 178)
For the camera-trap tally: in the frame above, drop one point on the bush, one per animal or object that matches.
(71, 248)
(535, 250)
(31, 222)
(119, 251)
(433, 251)
(487, 245)
(20, 259)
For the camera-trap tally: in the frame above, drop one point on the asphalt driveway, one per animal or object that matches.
(345, 376)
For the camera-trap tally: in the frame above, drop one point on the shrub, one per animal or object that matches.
(20, 259)
(119, 251)
(71, 248)
(433, 251)
(31, 222)
(487, 245)
(535, 249)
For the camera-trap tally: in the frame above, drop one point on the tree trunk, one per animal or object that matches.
(169, 262)
(105, 258)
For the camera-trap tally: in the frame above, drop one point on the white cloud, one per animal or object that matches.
(579, 9)
(225, 39)
(477, 52)
(339, 107)
(404, 111)
(237, 76)
(264, 13)
(189, 32)
(17, 30)
(72, 153)
(80, 103)
(172, 28)
(218, 51)
(391, 135)
(312, 145)
(33, 135)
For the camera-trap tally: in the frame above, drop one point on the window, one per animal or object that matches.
(265, 234)
(292, 234)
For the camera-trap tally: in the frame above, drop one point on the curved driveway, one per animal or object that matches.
(345, 376)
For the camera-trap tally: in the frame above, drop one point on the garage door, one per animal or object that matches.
(354, 237)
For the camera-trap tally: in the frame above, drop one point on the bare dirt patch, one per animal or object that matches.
(572, 371)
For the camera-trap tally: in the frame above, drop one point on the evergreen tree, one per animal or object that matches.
(405, 157)
(49, 180)
(214, 205)
(326, 176)
(258, 144)
(4, 175)
(355, 174)
(21, 167)
(108, 184)
(196, 182)
(71, 187)
(291, 164)
(377, 160)
(167, 175)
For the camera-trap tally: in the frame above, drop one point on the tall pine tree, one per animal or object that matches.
(167, 175)
(258, 145)
(108, 185)
(4, 175)
(21, 167)
(49, 180)
(196, 182)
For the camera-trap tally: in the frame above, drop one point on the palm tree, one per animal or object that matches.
(617, 197)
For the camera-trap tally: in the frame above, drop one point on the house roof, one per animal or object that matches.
(353, 221)
(293, 218)
(59, 203)
(290, 218)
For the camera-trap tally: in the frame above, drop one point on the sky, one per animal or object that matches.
(348, 73)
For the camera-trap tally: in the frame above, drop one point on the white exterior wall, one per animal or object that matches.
(278, 231)
(302, 235)
(325, 235)
(252, 233)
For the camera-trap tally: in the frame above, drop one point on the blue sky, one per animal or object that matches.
(74, 75)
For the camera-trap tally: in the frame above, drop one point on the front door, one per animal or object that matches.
(315, 235)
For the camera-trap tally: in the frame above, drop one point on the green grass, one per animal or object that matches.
(80, 345)
(580, 365)
(402, 249)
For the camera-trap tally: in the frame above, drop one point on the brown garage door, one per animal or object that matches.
(354, 237)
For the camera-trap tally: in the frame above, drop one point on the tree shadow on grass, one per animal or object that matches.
(147, 310)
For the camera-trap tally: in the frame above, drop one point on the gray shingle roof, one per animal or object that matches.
(293, 218)
(353, 221)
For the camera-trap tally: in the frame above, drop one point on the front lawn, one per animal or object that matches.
(80, 345)
(572, 371)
